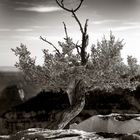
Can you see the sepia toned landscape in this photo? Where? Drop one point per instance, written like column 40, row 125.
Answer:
column 69, row 69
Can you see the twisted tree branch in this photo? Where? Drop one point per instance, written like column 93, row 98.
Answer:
column 76, row 18
column 81, row 50
column 78, row 47
column 61, row 4
column 65, row 28
column 50, row 44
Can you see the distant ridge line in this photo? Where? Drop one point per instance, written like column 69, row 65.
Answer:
column 8, row 69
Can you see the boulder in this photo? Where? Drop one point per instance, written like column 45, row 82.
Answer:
column 113, row 123
column 9, row 98
column 44, row 134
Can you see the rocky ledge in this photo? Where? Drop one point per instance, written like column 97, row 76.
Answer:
column 68, row 134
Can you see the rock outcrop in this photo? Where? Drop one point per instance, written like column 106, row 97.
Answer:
column 9, row 98
column 113, row 123
column 16, row 77
column 68, row 134
column 36, row 111
column 46, row 134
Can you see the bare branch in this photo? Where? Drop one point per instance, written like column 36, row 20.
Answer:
column 81, row 50
column 78, row 6
column 61, row 4
column 65, row 28
column 87, row 56
column 76, row 18
column 72, row 11
column 83, row 54
column 50, row 44
column 77, row 47
column 85, row 27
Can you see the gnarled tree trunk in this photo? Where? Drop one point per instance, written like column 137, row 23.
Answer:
column 76, row 94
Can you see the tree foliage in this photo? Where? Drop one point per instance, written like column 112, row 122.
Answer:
column 132, row 65
column 104, row 68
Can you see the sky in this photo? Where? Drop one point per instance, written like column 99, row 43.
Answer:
column 24, row 21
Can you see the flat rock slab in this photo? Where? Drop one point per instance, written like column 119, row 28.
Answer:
column 68, row 134
column 45, row 134
column 113, row 123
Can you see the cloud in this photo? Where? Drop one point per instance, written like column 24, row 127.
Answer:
column 104, row 21
column 24, row 3
column 4, row 30
column 40, row 27
column 123, row 28
column 17, row 30
column 40, row 9
column 132, row 23
column 23, row 30
column 23, row 37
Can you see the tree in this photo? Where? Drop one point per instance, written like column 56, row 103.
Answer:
column 132, row 65
column 78, row 72
column 107, row 61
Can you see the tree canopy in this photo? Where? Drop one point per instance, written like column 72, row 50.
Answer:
column 103, row 67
